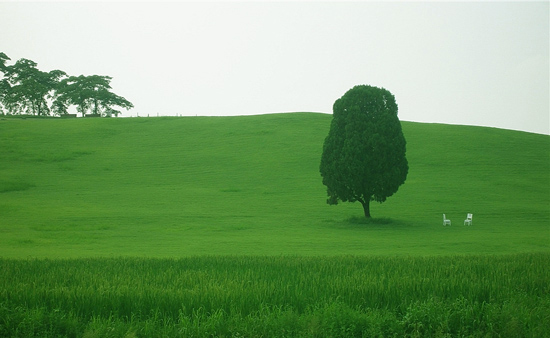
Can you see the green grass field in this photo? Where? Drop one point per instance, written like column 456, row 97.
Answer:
column 250, row 296
column 218, row 226
column 173, row 187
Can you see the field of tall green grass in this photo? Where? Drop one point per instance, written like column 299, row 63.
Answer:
column 218, row 226
column 251, row 296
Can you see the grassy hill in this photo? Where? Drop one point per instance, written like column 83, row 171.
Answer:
column 218, row 227
column 185, row 186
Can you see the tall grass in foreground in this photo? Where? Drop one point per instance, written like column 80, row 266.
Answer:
column 348, row 296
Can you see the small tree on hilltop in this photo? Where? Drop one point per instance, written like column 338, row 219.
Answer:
column 364, row 153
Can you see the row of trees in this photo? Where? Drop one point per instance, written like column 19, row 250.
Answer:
column 24, row 89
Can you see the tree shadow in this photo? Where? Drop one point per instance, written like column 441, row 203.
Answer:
column 382, row 222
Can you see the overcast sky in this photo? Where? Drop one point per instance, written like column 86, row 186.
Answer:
column 461, row 63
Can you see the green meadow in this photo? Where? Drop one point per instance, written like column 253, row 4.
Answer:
column 173, row 187
column 218, row 226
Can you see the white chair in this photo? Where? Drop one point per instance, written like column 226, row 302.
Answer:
column 446, row 221
column 468, row 220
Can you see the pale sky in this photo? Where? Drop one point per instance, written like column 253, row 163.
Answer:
column 468, row 63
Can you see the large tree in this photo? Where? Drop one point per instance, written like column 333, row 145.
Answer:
column 26, row 88
column 89, row 94
column 364, row 153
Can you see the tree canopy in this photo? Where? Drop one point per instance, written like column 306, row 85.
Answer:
column 27, row 89
column 364, row 153
column 24, row 89
column 89, row 94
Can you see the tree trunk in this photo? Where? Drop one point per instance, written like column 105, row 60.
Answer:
column 366, row 208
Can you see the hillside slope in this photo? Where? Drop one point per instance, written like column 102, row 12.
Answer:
column 250, row 185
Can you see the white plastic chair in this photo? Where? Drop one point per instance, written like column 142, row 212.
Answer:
column 446, row 221
column 468, row 220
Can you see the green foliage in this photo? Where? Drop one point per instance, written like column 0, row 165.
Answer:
column 3, row 59
column 25, row 89
column 4, row 84
column 364, row 153
column 89, row 94
column 232, row 296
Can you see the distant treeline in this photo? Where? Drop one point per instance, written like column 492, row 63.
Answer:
column 24, row 89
